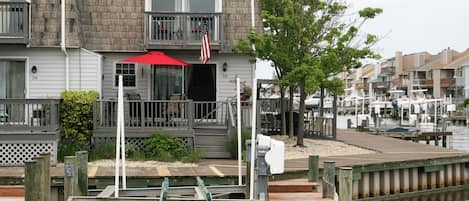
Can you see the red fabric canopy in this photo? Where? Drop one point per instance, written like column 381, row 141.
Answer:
column 156, row 58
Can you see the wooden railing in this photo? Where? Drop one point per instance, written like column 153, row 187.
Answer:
column 29, row 114
column 14, row 22
column 210, row 112
column 447, row 82
column 144, row 114
column 184, row 114
column 182, row 29
column 320, row 126
column 362, row 86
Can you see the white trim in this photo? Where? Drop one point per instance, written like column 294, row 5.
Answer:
column 148, row 5
column 114, row 75
column 218, row 6
column 99, row 76
column 150, row 84
column 26, row 70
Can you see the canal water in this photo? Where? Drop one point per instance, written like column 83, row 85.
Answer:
column 458, row 141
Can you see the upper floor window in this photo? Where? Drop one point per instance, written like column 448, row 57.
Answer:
column 195, row 6
column 128, row 73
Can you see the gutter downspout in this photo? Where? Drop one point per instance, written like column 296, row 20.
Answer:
column 62, row 46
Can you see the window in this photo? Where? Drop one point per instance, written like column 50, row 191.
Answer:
column 201, row 6
column 128, row 74
column 208, row 6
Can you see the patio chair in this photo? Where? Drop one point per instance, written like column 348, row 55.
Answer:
column 134, row 109
column 173, row 108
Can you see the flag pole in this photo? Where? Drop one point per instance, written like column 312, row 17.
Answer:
column 238, row 128
column 253, row 118
column 118, row 139
column 122, row 133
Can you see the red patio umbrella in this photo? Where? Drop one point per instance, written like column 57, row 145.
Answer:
column 158, row 58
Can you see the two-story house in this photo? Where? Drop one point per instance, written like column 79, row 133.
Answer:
column 49, row 46
column 80, row 46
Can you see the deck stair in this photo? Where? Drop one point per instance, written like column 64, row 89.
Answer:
column 211, row 140
column 293, row 186
column 294, row 190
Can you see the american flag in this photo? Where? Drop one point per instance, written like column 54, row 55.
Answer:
column 205, row 52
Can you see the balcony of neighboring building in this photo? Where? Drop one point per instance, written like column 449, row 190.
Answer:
column 382, row 85
column 447, row 82
column 170, row 25
column 14, row 22
column 362, row 85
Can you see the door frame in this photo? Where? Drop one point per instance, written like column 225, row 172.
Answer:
column 26, row 70
column 217, row 78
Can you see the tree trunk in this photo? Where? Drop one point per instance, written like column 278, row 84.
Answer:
column 283, row 123
column 334, row 120
column 290, row 113
column 321, row 106
column 321, row 112
column 301, row 122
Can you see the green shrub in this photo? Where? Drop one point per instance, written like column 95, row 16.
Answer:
column 232, row 143
column 133, row 152
column 161, row 146
column 103, row 150
column 68, row 147
column 466, row 102
column 76, row 114
column 192, row 156
column 76, row 121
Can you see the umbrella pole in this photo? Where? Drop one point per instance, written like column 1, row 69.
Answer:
column 182, row 80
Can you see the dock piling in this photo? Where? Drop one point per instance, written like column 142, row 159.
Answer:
column 31, row 181
column 45, row 176
column 365, row 185
column 70, row 176
column 386, row 181
column 328, row 180
column 82, row 165
column 313, row 167
column 345, row 184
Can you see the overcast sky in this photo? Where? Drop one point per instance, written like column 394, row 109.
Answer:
column 411, row 26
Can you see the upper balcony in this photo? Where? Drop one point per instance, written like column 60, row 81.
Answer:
column 182, row 30
column 14, row 22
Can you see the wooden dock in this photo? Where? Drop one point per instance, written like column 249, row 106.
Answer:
column 388, row 150
column 398, row 159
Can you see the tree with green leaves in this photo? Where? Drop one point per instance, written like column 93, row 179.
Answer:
column 311, row 40
column 275, row 45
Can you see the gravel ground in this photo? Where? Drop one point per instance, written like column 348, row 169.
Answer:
column 318, row 147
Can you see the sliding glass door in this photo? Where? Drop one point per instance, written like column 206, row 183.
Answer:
column 167, row 82
column 12, row 85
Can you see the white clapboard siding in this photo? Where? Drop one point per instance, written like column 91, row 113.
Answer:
column 49, row 81
column 237, row 65
column 143, row 76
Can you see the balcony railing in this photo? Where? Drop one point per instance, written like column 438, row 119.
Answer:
column 29, row 114
column 429, row 83
column 447, row 82
column 382, row 85
column 14, row 23
column 363, row 86
column 165, row 30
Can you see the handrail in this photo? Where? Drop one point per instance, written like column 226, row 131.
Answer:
column 29, row 114
column 230, row 114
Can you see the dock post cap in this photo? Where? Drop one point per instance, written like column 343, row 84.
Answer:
column 329, row 161
column 345, row 168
